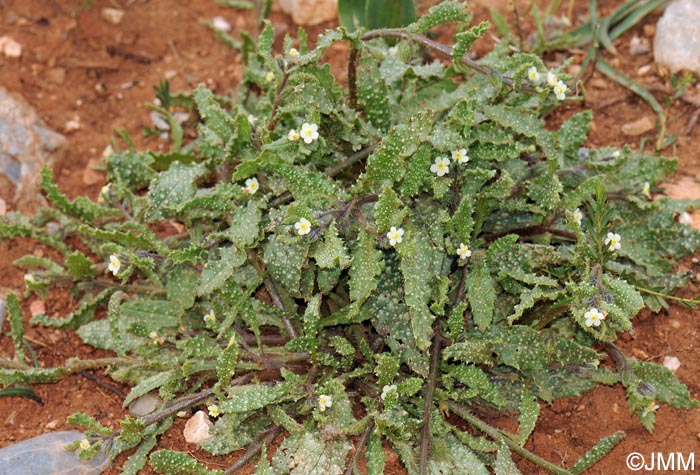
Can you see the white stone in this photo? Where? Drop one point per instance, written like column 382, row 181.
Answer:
column 10, row 47
column 220, row 23
column 197, row 428
column 685, row 218
column 310, row 12
column 677, row 40
column 113, row 15
column 672, row 363
column 146, row 404
column 71, row 126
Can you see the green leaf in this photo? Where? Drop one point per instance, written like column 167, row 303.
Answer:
column 14, row 316
column 366, row 266
column 375, row 456
column 307, row 453
column 331, row 253
column 226, row 364
column 171, row 190
column 217, row 272
column 389, row 210
column 600, row 450
column 572, row 134
column 182, row 285
column 667, row 388
column 285, row 260
column 529, row 412
column 504, row 463
column 417, row 260
column 81, row 208
column 418, row 172
column 79, row 265
column 86, row 422
column 465, row 40
column 213, row 115
column 148, row 385
column 462, row 222
column 444, row 12
column 78, row 317
column 170, row 462
column 144, row 316
column 526, row 124
column 481, row 294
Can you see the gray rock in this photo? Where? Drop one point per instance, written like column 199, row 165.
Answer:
column 677, row 40
column 26, row 145
column 46, row 454
column 3, row 310
column 144, row 405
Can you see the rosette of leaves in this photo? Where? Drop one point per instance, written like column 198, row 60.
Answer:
column 394, row 337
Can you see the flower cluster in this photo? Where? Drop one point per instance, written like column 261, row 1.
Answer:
column 442, row 164
column 552, row 81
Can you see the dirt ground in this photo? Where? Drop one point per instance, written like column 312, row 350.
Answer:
column 78, row 67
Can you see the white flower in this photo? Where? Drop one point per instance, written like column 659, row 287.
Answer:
column 293, row 52
column 388, row 389
column 613, row 240
column 651, row 408
column 270, row 76
column 153, row 335
column 615, row 154
column 324, row 402
column 104, row 191
column 578, row 216
column 460, row 156
column 533, row 75
column 395, row 236
column 232, row 340
column 252, row 119
column 293, row 135
column 29, row 279
column 394, row 50
column 593, row 317
column 84, row 444
column 107, row 152
column 214, row 410
column 463, row 252
column 551, row 79
column 251, row 186
column 309, row 132
column 114, row 264
column 560, row 90
column 646, row 189
column 303, row 226
column 441, row 166
column 210, row 317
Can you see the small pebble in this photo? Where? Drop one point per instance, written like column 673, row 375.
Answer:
column 639, row 126
column 112, row 15
column 10, row 47
column 644, row 70
column 685, row 218
column 3, row 207
column 674, row 324
column 51, row 425
column 158, row 121
column 71, row 126
column 146, row 404
column 197, row 428
column 639, row 46
column 649, row 30
column 220, row 23
column 170, row 73
column 672, row 363
column 37, row 307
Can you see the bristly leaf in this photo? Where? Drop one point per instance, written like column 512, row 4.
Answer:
column 444, row 12
column 170, row 462
column 481, row 294
column 600, row 450
column 366, row 266
column 14, row 315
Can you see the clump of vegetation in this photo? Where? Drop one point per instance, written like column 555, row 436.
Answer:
column 361, row 264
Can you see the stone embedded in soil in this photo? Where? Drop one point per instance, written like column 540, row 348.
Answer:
column 677, row 40
column 3, row 207
column 112, row 15
column 197, row 428
column 672, row 363
column 220, row 23
column 10, row 47
column 639, row 126
column 56, row 75
column 685, row 188
column 37, row 307
column 46, row 454
column 26, row 145
column 310, row 12
column 146, row 404
column 3, row 311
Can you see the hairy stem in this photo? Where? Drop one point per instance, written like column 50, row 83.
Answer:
column 253, row 450
column 504, row 438
column 402, row 34
column 353, row 61
column 358, row 451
